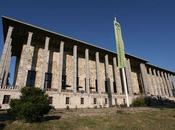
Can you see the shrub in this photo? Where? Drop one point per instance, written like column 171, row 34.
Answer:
column 139, row 102
column 31, row 106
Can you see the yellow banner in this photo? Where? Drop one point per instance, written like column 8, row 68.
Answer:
column 119, row 45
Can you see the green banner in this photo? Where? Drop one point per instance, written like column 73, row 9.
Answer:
column 119, row 45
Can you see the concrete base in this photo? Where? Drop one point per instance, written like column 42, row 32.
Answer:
column 59, row 99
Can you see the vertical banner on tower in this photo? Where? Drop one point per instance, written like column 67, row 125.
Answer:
column 119, row 45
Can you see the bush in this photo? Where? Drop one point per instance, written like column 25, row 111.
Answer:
column 31, row 106
column 139, row 102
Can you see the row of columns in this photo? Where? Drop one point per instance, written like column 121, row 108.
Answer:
column 161, row 83
column 157, row 82
column 6, row 57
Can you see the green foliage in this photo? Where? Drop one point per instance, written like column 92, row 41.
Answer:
column 31, row 106
column 139, row 102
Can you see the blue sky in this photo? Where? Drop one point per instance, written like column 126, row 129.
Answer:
column 148, row 26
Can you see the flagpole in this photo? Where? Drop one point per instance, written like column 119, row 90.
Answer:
column 121, row 61
column 125, row 86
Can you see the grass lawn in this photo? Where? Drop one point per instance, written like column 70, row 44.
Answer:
column 98, row 119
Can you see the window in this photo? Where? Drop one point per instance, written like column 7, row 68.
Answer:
column 106, row 86
column 95, row 101
column 50, row 100
column 77, row 83
column 82, row 101
column 124, row 102
column 48, row 80
column 67, row 100
column 115, row 101
column 115, row 89
column 106, row 100
column 96, row 85
column 6, row 99
column 31, row 78
column 64, row 82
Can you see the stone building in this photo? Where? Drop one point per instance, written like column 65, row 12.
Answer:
column 73, row 73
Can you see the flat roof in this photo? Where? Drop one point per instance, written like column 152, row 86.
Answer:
column 10, row 21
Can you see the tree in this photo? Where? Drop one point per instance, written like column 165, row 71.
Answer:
column 31, row 106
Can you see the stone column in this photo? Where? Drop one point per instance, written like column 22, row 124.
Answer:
column 171, row 84
column 7, row 65
column 60, row 66
column 4, row 53
column 25, row 62
column 152, row 82
column 108, row 80
column 87, row 70
column 97, row 71
column 156, row 82
column 45, row 61
column 161, row 84
column 107, row 73
column 145, row 78
column 128, row 77
column 119, row 89
column 168, row 85
column 165, row 84
column 75, row 69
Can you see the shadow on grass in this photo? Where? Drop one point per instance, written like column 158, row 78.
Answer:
column 4, row 116
column 48, row 118
column 2, row 126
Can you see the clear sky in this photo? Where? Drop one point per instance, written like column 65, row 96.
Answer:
column 148, row 26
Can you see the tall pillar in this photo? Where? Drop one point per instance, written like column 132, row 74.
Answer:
column 128, row 77
column 171, row 85
column 97, row 71
column 7, row 66
column 87, row 71
column 145, row 78
column 60, row 66
column 156, row 82
column 119, row 89
column 75, row 69
column 25, row 62
column 152, row 82
column 165, row 84
column 168, row 85
column 5, row 53
column 108, row 80
column 45, row 61
column 161, row 84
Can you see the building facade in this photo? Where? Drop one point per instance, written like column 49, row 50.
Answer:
column 72, row 72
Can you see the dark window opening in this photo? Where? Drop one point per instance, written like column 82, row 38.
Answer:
column 64, row 82
column 82, row 101
column 115, row 87
column 6, row 99
column 48, row 80
column 77, row 83
column 50, row 100
column 96, row 85
column 106, row 100
column 95, row 101
column 106, row 86
column 115, row 101
column 31, row 78
column 67, row 100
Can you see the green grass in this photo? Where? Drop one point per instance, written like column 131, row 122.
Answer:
column 99, row 119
